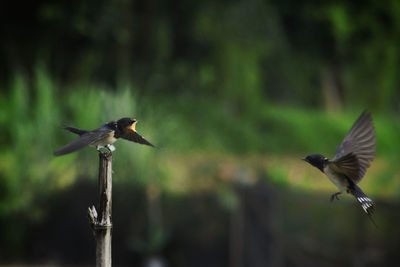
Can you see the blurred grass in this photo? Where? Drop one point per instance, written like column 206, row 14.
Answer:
column 190, row 130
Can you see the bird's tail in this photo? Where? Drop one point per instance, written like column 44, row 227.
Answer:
column 366, row 203
column 74, row 130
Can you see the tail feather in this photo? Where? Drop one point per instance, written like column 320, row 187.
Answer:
column 74, row 130
column 366, row 203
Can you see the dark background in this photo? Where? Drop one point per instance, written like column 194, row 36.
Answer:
column 234, row 93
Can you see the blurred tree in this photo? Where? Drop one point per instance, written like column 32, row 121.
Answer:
column 311, row 53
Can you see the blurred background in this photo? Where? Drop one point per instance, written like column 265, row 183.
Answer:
column 234, row 93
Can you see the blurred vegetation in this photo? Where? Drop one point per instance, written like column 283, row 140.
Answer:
column 226, row 89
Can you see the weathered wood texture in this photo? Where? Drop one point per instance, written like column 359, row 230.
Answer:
column 100, row 221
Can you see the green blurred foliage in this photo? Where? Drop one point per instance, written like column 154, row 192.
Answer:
column 33, row 120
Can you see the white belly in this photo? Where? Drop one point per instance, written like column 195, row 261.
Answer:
column 106, row 141
column 340, row 182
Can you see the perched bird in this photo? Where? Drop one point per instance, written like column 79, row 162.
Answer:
column 351, row 161
column 104, row 136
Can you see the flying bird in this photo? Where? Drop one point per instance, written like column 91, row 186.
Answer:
column 104, row 136
column 351, row 161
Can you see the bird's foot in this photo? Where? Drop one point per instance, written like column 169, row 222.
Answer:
column 110, row 147
column 107, row 152
column 335, row 196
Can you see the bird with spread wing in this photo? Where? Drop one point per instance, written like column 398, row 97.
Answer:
column 104, row 136
column 352, row 159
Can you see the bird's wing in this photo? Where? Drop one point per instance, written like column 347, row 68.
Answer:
column 360, row 142
column 348, row 165
column 132, row 135
column 86, row 139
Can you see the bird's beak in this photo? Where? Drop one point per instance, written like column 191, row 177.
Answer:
column 133, row 125
column 304, row 159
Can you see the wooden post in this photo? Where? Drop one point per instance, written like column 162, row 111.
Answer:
column 100, row 222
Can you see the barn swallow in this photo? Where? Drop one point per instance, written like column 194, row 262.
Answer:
column 104, row 136
column 351, row 161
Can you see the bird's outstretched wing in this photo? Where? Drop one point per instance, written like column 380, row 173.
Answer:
column 133, row 136
column 88, row 138
column 348, row 165
column 357, row 146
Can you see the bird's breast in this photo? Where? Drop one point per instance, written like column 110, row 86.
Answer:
column 108, row 140
column 337, row 179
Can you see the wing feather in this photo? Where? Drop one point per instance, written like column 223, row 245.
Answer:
column 348, row 165
column 88, row 138
column 360, row 142
column 133, row 136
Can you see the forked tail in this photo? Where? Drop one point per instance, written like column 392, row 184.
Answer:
column 366, row 203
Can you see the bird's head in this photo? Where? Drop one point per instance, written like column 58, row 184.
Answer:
column 317, row 160
column 127, row 123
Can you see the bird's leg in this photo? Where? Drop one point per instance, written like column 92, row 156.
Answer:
column 335, row 196
column 110, row 147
